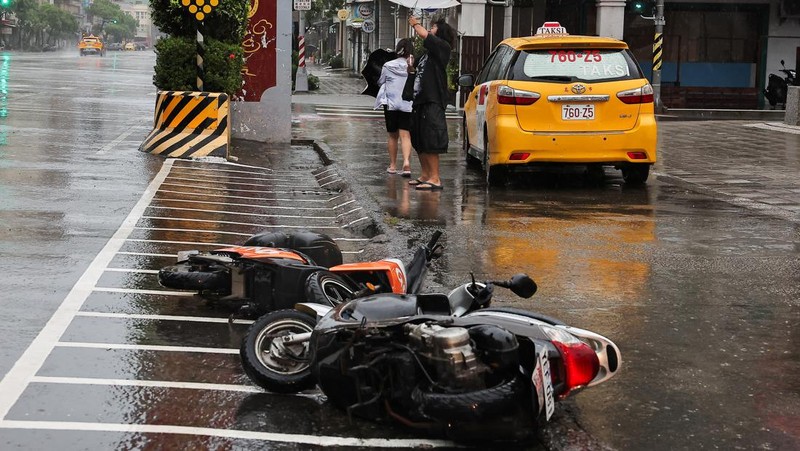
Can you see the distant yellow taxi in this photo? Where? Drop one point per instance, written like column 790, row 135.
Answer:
column 556, row 98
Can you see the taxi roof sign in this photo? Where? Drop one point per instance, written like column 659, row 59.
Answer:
column 551, row 28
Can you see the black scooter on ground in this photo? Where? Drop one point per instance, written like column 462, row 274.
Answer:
column 778, row 86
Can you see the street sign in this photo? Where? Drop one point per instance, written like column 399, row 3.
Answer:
column 302, row 5
column 343, row 14
column 365, row 10
column 199, row 7
column 368, row 26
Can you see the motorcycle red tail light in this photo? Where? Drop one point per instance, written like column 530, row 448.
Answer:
column 580, row 364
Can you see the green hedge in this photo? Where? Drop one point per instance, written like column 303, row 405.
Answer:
column 176, row 66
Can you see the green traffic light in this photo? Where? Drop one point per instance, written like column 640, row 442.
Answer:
column 5, row 2
column 638, row 6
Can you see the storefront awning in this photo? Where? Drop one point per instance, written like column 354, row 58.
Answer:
column 427, row 4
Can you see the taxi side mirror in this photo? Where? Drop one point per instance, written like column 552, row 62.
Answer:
column 466, row 81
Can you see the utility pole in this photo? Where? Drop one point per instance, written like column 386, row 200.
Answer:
column 658, row 40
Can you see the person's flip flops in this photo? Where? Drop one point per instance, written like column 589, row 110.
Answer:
column 415, row 182
column 428, row 186
column 405, row 173
column 391, row 171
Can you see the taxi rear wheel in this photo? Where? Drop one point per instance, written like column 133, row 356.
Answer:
column 635, row 174
column 471, row 160
column 496, row 175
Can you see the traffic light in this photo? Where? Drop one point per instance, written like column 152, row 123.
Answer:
column 642, row 7
column 5, row 3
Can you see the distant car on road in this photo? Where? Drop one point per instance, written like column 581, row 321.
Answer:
column 114, row 46
column 91, row 45
column 141, row 46
column 556, row 98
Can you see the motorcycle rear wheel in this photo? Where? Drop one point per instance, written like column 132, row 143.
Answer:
column 263, row 361
column 325, row 287
column 188, row 276
column 475, row 405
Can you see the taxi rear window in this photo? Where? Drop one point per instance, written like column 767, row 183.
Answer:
column 570, row 65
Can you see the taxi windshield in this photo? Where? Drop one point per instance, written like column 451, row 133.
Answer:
column 570, row 65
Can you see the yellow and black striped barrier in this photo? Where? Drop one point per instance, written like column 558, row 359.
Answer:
column 658, row 41
column 189, row 125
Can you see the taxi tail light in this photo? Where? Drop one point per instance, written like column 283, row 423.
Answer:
column 639, row 95
column 519, row 156
column 507, row 95
column 637, row 155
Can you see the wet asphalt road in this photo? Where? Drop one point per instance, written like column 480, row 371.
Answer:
column 695, row 276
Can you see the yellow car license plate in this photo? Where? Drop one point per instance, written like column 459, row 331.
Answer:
column 577, row 112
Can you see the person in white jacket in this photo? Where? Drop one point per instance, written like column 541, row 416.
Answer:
column 397, row 111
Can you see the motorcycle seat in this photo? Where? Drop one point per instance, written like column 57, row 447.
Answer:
column 434, row 304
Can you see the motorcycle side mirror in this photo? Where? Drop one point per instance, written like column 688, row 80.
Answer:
column 783, row 63
column 523, row 286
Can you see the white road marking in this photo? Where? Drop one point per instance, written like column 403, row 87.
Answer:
column 144, row 383
column 138, row 271
column 18, row 378
column 193, row 243
column 202, row 194
column 226, row 178
column 233, row 204
column 251, row 224
column 216, row 232
column 137, row 291
column 356, row 221
column 118, row 140
column 305, row 191
column 266, row 185
column 348, row 212
column 317, row 440
column 259, row 215
column 191, row 319
column 145, row 254
column 76, row 344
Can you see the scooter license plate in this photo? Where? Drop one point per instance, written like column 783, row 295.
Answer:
column 543, row 382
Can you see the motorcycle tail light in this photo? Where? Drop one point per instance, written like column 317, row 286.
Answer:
column 507, row 95
column 580, row 362
column 638, row 95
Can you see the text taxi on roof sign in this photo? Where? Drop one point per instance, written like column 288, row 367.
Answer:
column 556, row 98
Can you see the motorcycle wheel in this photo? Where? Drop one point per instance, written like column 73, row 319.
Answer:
column 188, row 276
column 325, row 287
column 475, row 405
column 266, row 365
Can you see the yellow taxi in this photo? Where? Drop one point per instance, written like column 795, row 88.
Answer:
column 556, row 98
column 130, row 46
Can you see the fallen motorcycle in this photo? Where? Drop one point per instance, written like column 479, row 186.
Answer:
column 275, row 270
column 493, row 372
column 274, row 349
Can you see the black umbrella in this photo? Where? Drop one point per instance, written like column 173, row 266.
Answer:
column 372, row 70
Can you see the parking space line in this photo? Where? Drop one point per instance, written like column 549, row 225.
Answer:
column 233, row 204
column 85, row 345
column 266, row 226
column 217, row 232
column 306, row 191
column 186, row 193
column 191, row 319
column 318, row 440
column 348, row 212
column 259, row 215
column 138, row 291
column 212, row 178
column 138, row 271
column 18, row 377
column 343, row 204
column 276, row 185
column 193, row 243
column 356, row 221
column 146, row 254
column 146, row 383
column 183, row 166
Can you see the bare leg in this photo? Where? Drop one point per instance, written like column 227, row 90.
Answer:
column 433, row 168
column 405, row 147
column 392, row 143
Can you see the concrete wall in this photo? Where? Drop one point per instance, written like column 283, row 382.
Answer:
column 783, row 40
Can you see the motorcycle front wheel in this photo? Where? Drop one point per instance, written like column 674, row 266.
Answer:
column 278, row 367
column 325, row 287
column 190, row 276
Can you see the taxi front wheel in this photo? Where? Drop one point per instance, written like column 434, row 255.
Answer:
column 635, row 174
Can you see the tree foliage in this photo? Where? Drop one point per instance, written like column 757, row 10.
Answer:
column 45, row 22
column 113, row 21
column 227, row 22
